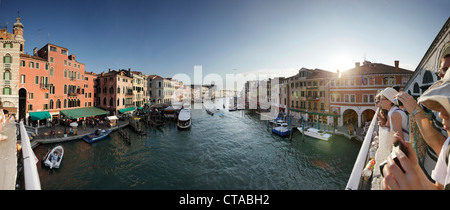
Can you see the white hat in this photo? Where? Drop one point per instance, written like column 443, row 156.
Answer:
column 437, row 95
column 389, row 93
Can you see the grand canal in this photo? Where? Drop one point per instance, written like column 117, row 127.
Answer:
column 219, row 153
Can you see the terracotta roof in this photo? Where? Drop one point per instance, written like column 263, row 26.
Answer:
column 375, row 68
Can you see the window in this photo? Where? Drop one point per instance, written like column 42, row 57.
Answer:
column 31, row 64
column 7, row 75
column 22, row 63
column 64, row 52
column 52, row 59
column 7, row 58
column 7, row 45
column 65, row 103
column 51, row 103
column 58, row 104
column 52, row 48
column 30, row 96
column 6, row 91
column 36, row 80
column 37, row 65
column 30, row 107
column 22, row 78
column 52, row 71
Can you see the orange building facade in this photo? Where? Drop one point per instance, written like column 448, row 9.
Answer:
column 52, row 80
column 352, row 93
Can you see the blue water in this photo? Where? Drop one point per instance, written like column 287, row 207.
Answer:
column 218, row 153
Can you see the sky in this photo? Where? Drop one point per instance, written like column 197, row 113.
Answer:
column 277, row 37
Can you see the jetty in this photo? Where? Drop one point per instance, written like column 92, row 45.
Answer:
column 81, row 132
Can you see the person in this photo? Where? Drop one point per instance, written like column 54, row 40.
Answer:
column 397, row 118
column 437, row 98
column 435, row 138
column 2, row 122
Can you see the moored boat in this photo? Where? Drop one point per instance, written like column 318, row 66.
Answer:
column 54, row 157
column 316, row 133
column 99, row 134
column 282, row 129
column 184, row 119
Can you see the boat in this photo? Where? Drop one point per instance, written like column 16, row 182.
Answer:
column 209, row 112
column 53, row 158
column 99, row 134
column 282, row 129
column 316, row 133
column 184, row 119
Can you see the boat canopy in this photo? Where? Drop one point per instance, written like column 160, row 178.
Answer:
column 185, row 114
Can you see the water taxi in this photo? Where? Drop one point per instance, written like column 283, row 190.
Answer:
column 316, row 133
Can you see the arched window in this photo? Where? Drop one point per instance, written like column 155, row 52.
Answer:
column 104, row 101
column 78, row 103
column 118, row 89
column 51, row 103
column 427, row 78
column 416, row 88
column 65, row 103
column 58, row 104
column 7, row 58
column 65, row 90
column 7, row 75
column 111, row 102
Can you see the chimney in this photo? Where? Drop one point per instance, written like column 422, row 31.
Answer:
column 35, row 52
column 357, row 64
column 396, row 62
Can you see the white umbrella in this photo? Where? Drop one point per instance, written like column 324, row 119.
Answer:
column 74, row 124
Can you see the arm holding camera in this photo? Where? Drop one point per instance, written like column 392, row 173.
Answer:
column 412, row 177
column 432, row 137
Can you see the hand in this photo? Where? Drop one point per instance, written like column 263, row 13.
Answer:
column 408, row 101
column 412, row 178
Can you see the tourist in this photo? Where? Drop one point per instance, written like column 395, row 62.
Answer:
column 435, row 138
column 397, row 117
column 2, row 122
column 382, row 114
column 437, row 98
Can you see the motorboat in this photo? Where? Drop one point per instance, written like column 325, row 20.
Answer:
column 281, row 129
column 53, row 158
column 99, row 134
column 184, row 119
column 316, row 133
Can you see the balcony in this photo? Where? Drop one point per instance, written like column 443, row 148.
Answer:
column 72, row 94
column 7, row 66
column 44, row 86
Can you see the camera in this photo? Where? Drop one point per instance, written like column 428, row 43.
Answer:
column 397, row 102
column 397, row 146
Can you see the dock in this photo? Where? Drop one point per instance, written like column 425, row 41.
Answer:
column 81, row 132
column 8, row 158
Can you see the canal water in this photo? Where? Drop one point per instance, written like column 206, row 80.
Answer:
column 233, row 152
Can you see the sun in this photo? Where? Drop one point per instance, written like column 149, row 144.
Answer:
column 342, row 62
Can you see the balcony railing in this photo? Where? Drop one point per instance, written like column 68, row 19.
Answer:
column 7, row 66
column 72, row 94
column 44, row 86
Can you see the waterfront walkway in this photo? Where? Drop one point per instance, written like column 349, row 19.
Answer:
column 8, row 158
column 47, row 139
